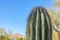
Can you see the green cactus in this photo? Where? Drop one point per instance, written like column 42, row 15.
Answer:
column 39, row 25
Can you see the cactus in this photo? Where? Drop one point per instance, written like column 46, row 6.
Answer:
column 39, row 25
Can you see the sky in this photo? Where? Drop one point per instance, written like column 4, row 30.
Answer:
column 14, row 13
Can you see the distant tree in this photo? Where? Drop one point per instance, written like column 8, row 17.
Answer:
column 55, row 15
column 57, row 3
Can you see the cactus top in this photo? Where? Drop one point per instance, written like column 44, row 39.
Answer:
column 39, row 25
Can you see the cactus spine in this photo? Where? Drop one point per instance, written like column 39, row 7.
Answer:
column 39, row 25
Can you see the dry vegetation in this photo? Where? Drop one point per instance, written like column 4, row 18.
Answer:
column 55, row 17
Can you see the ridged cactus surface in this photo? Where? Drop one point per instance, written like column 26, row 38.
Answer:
column 39, row 25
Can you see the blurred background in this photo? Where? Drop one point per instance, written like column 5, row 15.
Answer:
column 14, row 14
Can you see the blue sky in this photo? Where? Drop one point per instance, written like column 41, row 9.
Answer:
column 14, row 13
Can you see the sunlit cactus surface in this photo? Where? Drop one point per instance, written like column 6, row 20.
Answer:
column 39, row 25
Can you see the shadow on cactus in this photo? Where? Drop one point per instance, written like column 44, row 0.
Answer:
column 39, row 25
